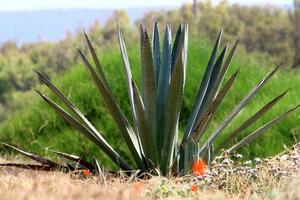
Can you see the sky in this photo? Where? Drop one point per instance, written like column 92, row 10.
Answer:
column 17, row 5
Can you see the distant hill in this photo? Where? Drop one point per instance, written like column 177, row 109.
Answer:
column 51, row 25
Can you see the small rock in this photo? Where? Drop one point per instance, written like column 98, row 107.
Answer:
column 284, row 157
column 258, row 160
column 249, row 162
column 238, row 156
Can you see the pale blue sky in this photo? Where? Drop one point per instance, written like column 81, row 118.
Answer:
column 13, row 5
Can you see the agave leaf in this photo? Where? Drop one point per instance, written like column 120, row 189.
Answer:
column 162, row 86
column 211, row 92
column 199, row 130
column 76, row 159
column 130, row 137
column 176, row 46
column 220, row 96
column 220, row 79
column 97, row 62
column 128, row 75
column 206, row 119
column 173, row 106
column 202, row 90
column 31, row 166
column 238, row 108
column 148, row 94
column 37, row 158
column 156, row 50
column 137, row 114
column 251, row 120
column 202, row 125
column 186, row 42
column 188, row 152
column 260, row 130
column 78, row 115
column 143, row 126
column 226, row 64
column 176, row 156
column 210, row 155
column 97, row 139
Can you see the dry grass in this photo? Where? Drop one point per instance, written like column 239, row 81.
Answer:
column 54, row 185
column 275, row 178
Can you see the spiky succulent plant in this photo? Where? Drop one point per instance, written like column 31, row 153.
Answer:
column 154, row 141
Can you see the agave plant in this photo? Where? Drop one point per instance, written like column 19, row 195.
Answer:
column 153, row 140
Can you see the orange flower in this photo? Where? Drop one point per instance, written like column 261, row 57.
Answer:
column 194, row 188
column 86, row 172
column 199, row 167
column 137, row 187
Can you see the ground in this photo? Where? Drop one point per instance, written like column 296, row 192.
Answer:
column 273, row 178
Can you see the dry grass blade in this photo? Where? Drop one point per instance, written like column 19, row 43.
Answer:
column 98, row 171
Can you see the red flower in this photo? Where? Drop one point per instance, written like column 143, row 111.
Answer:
column 137, row 187
column 86, row 172
column 199, row 167
column 194, row 188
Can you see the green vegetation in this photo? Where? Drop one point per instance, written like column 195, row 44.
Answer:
column 261, row 29
column 256, row 27
column 35, row 126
